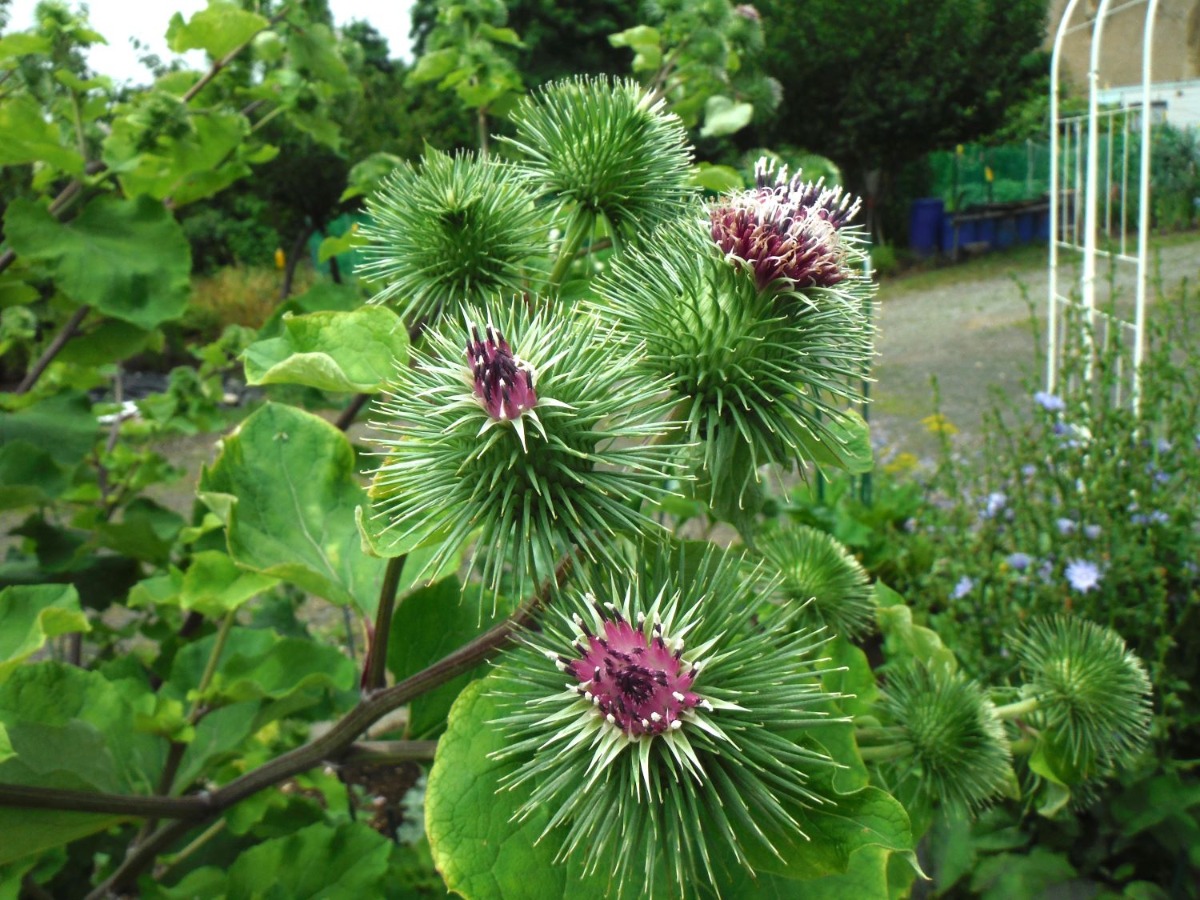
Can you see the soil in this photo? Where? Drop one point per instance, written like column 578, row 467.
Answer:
column 970, row 327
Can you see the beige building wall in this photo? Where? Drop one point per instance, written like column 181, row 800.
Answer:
column 1176, row 50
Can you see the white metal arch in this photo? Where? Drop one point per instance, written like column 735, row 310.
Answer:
column 1074, row 189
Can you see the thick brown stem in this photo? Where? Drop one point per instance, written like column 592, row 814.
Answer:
column 332, row 744
column 350, row 413
column 293, row 260
column 51, row 351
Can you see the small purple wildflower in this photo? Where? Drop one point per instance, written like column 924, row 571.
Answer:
column 964, row 587
column 1049, row 402
column 1029, row 470
column 1065, row 526
column 1092, row 532
column 1163, row 445
column 996, row 501
column 1018, row 561
column 1155, row 517
column 748, row 12
column 1083, row 575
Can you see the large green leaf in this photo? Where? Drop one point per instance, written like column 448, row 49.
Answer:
column 723, row 115
column 865, row 818
column 319, row 861
column 257, row 664
column 845, row 443
column 127, row 258
column 902, row 637
column 430, row 623
column 216, row 30
column 63, row 426
column 332, row 351
column 212, row 586
column 29, row 476
column 30, row 615
column 196, row 163
column 284, row 482
column 72, row 729
column 29, row 137
column 480, row 851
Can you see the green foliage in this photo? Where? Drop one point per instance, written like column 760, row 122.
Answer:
column 186, row 704
column 875, row 86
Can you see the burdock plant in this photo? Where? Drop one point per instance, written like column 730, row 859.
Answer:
column 670, row 719
column 758, row 375
column 664, row 728
column 453, row 230
column 522, row 431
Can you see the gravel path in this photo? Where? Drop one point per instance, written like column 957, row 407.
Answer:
column 969, row 327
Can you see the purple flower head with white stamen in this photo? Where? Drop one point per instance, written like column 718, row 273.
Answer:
column 633, row 676
column 503, row 384
column 787, row 230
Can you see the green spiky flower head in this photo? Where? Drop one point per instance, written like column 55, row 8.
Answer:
column 815, row 566
column 454, row 229
column 606, row 149
column 660, row 724
column 957, row 751
column 523, row 431
column 1093, row 694
column 755, row 380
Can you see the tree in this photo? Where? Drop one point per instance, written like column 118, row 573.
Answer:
column 876, row 85
column 559, row 38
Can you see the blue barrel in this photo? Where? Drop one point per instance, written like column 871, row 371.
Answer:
column 925, row 225
column 1006, row 231
column 1026, row 225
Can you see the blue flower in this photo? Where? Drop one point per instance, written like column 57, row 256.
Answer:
column 1049, row 402
column 1065, row 526
column 995, row 502
column 1092, row 531
column 964, row 586
column 1019, row 562
column 1083, row 575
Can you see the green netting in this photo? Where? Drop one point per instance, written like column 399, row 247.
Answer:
column 1018, row 172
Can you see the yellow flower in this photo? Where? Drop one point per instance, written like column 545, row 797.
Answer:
column 939, row 424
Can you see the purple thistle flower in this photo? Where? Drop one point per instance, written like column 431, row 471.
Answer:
column 1083, row 575
column 1049, row 402
column 786, row 229
column 641, row 686
column 964, row 587
column 503, row 384
column 1019, row 562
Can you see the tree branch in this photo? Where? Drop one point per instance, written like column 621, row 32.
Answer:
column 193, row 807
column 52, row 350
column 339, row 738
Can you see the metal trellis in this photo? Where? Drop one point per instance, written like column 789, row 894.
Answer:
column 1076, row 208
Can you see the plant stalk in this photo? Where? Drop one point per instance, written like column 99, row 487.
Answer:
column 335, row 741
column 52, row 350
column 375, row 668
column 1016, row 710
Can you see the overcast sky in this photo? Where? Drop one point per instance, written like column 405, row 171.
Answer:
column 147, row 20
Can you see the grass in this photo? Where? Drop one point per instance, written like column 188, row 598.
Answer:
column 240, row 295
